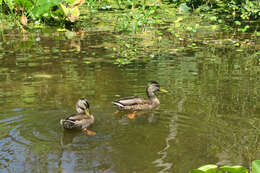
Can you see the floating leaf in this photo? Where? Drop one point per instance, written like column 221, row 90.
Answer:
column 234, row 169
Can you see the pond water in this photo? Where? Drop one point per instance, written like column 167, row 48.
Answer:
column 210, row 115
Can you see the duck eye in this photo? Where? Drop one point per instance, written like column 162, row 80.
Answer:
column 86, row 104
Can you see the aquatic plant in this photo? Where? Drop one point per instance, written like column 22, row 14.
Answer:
column 223, row 169
column 211, row 168
column 232, row 12
column 43, row 9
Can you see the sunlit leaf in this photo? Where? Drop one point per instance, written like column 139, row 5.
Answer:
column 64, row 9
column 43, row 6
column 10, row 4
column 25, row 4
column 238, row 23
column 74, row 14
column 209, row 168
column 61, row 29
column 213, row 18
column 70, row 13
column 179, row 19
column 234, row 169
column 256, row 166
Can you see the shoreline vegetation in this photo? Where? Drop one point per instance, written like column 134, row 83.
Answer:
column 238, row 15
column 140, row 27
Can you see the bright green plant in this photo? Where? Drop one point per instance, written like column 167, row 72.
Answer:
column 223, row 169
column 256, row 166
column 227, row 169
column 127, row 51
column 44, row 9
column 235, row 13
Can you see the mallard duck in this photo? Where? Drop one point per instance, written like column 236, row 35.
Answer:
column 80, row 120
column 135, row 103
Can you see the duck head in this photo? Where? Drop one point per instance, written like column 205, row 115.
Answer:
column 82, row 106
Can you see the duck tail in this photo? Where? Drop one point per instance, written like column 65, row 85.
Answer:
column 61, row 121
column 67, row 124
column 118, row 104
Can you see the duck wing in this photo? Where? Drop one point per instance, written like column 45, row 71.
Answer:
column 130, row 101
column 75, row 121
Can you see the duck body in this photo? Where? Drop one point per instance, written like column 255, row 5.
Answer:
column 77, row 121
column 136, row 103
column 81, row 120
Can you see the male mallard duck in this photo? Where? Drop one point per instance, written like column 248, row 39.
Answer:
column 136, row 103
column 80, row 120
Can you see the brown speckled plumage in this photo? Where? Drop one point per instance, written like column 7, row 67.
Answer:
column 80, row 120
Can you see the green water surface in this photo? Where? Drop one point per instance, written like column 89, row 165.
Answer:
column 210, row 115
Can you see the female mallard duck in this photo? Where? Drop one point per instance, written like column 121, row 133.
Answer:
column 80, row 120
column 136, row 103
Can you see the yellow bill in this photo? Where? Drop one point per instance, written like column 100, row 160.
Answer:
column 87, row 112
column 163, row 90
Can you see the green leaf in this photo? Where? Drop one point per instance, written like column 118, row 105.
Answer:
column 64, row 9
column 256, row 166
column 209, row 168
column 10, row 4
column 234, row 169
column 213, row 18
column 71, row 13
column 237, row 23
column 42, row 7
column 61, row 29
column 25, row 4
